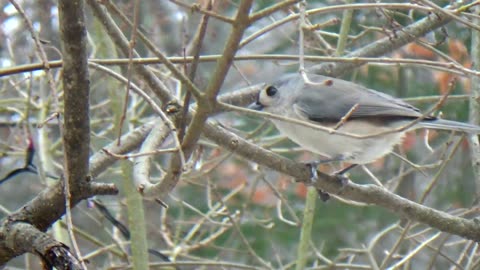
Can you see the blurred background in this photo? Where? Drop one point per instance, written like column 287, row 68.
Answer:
column 227, row 212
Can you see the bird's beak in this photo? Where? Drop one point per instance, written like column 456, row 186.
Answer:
column 257, row 106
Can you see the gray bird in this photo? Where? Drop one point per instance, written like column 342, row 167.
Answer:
column 325, row 101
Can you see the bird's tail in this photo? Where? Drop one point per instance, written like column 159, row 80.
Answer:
column 451, row 125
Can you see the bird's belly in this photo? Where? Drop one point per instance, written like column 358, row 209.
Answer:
column 347, row 148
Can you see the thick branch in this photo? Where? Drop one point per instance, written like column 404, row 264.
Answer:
column 40, row 210
column 362, row 193
column 23, row 237
column 76, row 86
column 386, row 44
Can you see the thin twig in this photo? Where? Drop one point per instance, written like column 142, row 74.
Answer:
column 131, row 47
column 150, row 153
column 198, row 8
column 344, row 119
column 443, row 66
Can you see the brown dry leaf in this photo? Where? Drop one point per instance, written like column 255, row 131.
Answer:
column 466, row 81
column 419, row 51
column 457, row 49
column 443, row 79
column 263, row 196
column 459, row 53
column 409, row 141
column 301, row 190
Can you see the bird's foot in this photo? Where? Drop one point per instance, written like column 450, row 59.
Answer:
column 339, row 175
column 324, row 196
column 341, row 178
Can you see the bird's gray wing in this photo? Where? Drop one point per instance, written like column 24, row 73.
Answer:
column 332, row 101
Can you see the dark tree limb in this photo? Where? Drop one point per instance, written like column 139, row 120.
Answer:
column 76, row 87
column 23, row 229
column 43, row 211
column 49, row 206
column 23, row 237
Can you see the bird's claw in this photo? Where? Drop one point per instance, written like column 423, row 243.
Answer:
column 314, row 178
column 324, row 196
column 339, row 176
column 313, row 169
column 342, row 179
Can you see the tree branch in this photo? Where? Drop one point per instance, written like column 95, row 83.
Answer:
column 76, row 87
column 362, row 193
column 385, row 45
column 40, row 212
column 24, row 237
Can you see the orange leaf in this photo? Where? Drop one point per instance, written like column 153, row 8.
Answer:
column 457, row 49
column 409, row 141
column 443, row 79
column 419, row 51
column 301, row 190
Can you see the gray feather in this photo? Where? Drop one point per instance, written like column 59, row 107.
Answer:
column 450, row 125
column 333, row 100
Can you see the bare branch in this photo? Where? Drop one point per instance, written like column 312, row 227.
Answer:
column 24, row 237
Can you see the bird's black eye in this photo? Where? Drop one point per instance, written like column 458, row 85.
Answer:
column 271, row 91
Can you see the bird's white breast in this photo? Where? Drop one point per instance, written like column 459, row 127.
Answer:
column 354, row 150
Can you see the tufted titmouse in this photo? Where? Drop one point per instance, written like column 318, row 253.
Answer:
column 346, row 108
